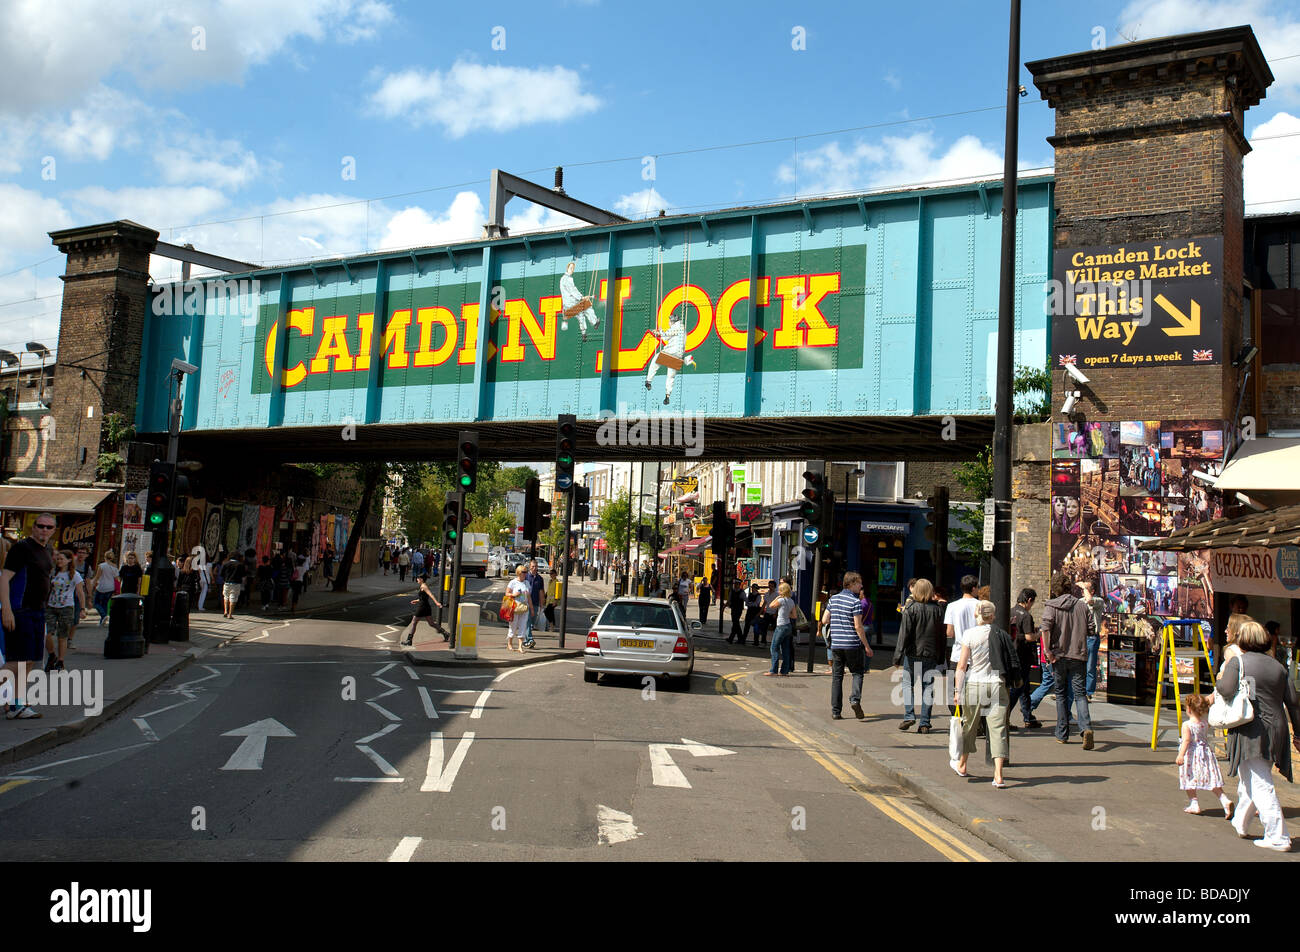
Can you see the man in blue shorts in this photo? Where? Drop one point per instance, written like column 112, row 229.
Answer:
column 24, row 590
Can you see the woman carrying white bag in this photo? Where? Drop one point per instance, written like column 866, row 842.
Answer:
column 1259, row 744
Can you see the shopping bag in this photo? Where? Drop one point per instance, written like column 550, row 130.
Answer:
column 954, row 735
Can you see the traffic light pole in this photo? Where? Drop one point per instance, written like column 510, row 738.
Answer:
column 442, row 575
column 564, row 576
column 454, row 601
column 816, row 621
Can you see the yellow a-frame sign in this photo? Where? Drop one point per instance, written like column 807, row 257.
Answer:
column 1169, row 666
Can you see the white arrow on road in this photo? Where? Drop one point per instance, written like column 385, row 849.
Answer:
column 665, row 773
column 439, row 778
column 249, row 754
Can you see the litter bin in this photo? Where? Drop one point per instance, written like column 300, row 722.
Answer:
column 618, row 589
column 125, row 628
column 181, row 617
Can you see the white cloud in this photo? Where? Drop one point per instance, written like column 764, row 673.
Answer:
column 894, row 161
column 106, row 121
column 1272, row 170
column 53, row 54
column 205, row 160
column 160, row 208
column 28, row 216
column 469, row 97
column 643, row 204
column 414, row 227
column 1276, row 26
column 892, row 81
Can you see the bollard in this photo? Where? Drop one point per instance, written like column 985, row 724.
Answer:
column 125, row 628
column 467, row 639
column 180, row 630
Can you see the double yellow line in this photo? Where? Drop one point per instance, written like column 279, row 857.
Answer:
column 893, row 807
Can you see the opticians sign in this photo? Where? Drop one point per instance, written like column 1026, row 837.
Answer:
column 1144, row 303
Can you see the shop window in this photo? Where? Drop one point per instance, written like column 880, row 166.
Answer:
column 1280, row 326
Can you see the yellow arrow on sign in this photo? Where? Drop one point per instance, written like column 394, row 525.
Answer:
column 1187, row 327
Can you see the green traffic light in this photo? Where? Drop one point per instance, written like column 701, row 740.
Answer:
column 466, row 480
column 566, row 460
column 155, row 517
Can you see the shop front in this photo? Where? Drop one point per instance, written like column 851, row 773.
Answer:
column 83, row 517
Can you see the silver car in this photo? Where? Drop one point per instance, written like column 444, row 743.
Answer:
column 641, row 636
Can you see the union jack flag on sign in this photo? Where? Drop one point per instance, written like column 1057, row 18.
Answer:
column 1068, row 359
column 1202, row 355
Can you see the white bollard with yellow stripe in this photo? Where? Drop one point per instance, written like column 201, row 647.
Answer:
column 467, row 631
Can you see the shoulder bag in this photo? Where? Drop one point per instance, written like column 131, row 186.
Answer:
column 1226, row 713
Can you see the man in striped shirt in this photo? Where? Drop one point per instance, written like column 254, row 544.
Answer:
column 848, row 641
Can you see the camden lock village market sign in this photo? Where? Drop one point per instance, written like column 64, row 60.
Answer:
column 1141, row 303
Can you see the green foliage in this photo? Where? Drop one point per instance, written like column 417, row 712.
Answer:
column 419, row 503
column 1032, row 393
column 117, row 430
column 614, row 523
column 976, row 478
column 107, row 465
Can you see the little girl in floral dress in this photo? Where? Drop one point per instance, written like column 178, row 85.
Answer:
column 1198, row 769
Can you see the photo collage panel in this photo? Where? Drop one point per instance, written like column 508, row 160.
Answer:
column 1116, row 485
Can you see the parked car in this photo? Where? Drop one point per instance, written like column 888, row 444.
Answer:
column 641, row 636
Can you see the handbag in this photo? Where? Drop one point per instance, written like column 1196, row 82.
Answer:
column 507, row 610
column 1226, row 713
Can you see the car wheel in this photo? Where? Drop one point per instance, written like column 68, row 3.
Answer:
column 590, row 676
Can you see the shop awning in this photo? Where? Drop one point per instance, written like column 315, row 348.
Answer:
column 689, row 547
column 51, row 499
column 1265, row 465
column 1268, row 530
column 688, row 498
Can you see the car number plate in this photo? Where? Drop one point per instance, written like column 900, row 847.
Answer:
column 636, row 643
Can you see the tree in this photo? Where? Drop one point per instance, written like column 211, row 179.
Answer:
column 614, row 523
column 1032, row 395
column 375, row 479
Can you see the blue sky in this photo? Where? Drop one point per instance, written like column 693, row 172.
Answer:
column 308, row 121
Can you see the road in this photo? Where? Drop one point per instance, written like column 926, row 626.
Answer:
column 316, row 741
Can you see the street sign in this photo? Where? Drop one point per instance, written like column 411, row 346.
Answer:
column 687, row 484
column 563, row 481
column 689, row 512
column 811, row 535
column 990, row 516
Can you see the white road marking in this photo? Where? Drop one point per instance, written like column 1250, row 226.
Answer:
column 405, row 849
column 251, row 752
column 246, row 641
column 477, row 713
column 73, row 760
column 460, row 677
column 387, row 641
column 614, row 827
column 429, row 710
column 145, row 729
column 438, row 779
column 377, row 734
column 665, row 773
column 411, row 673
column 384, row 711
column 391, row 664
column 388, row 769
column 388, row 684
column 370, row 779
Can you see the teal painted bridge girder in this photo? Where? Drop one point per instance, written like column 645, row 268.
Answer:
column 880, row 305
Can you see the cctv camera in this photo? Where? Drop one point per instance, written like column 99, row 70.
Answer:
column 1070, row 401
column 1076, row 373
column 180, row 366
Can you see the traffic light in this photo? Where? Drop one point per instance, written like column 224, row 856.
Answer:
column 566, row 442
column 532, row 490
column 467, row 466
column 581, row 503
column 722, row 530
column 451, row 520
column 937, row 534
column 543, row 515
column 162, row 481
column 816, row 505
column 826, row 529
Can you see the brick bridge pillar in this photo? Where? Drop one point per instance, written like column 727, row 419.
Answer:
column 101, row 328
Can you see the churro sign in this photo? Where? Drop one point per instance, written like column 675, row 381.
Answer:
column 1257, row 571
column 1146, row 303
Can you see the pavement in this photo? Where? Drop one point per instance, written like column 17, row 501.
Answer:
column 1119, row 802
